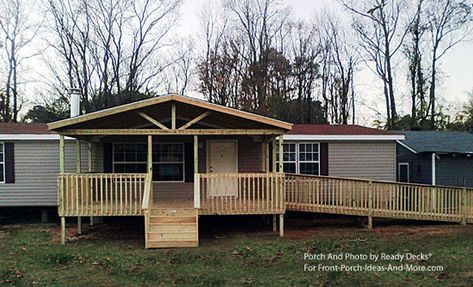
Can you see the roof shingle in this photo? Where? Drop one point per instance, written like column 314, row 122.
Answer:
column 25, row 128
column 439, row 142
column 336, row 130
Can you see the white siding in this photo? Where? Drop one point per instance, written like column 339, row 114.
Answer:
column 36, row 169
column 371, row 160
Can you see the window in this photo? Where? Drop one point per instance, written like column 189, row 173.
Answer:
column 2, row 163
column 289, row 158
column 309, row 158
column 302, row 158
column 129, row 158
column 168, row 160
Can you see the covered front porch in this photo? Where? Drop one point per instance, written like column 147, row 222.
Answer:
column 171, row 159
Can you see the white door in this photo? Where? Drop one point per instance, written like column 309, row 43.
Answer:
column 222, row 157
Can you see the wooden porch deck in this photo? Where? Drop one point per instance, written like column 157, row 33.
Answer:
column 263, row 193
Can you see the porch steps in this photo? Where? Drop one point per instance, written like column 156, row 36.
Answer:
column 169, row 227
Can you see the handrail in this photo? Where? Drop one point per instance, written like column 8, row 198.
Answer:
column 375, row 198
column 148, row 190
column 241, row 193
column 101, row 194
column 375, row 181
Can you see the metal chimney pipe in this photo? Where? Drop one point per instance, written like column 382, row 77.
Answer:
column 74, row 102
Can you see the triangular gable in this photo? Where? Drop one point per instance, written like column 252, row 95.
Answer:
column 126, row 113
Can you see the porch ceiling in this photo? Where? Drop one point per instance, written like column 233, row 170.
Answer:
column 155, row 116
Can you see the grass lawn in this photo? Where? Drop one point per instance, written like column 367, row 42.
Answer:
column 113, row 254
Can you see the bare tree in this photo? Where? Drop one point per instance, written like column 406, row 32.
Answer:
column 113, row 51
column 414, row 51
column 260, row 28
column 381, row 30
column 448, row 24
column 17, row 31
column 178, row 77
column 339, row 58
column 305, row 69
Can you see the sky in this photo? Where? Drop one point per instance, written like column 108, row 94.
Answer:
column 456, row 66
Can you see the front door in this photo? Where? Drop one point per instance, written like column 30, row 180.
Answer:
column 222, row 157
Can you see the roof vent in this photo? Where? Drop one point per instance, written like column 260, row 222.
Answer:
column 74, row 102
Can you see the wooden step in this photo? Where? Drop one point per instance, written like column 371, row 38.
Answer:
column 186, row 227
column 169, row 219
column 173, row 212
column 172, row 244
column 172, row 236
column 168, row 227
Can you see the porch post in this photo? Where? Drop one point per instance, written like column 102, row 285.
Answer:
column 150, row 155
column 78, row 170
column 274, row 156
column 150, row 166
column 89, row 170
column 173, row 116
column 196, row 173
column 281, row 151
column 281, row 186
column 61, row 171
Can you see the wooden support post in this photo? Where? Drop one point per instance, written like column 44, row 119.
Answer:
column 61, row 153
column 370, row 205
column 275, row 223
column 281, row 153
column 89, row 170
column 78, row 170
column 281, row 225
column 78, row 156
column 274, row 156
column 464, row 206
column 61, row 170
column 63, row 230
column 89, row 157
column 150, row 155
column 266, row 157
column 79, row 225
column 196, row 173
column 173, row 116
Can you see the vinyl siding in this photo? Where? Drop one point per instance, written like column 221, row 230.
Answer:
column 420, row 165
column 371, row 160
column 36, row 169
column 454, row 171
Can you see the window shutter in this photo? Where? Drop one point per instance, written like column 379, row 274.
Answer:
column 189, row 162
column 9, row 163
column 324, row 159
column 107, row 157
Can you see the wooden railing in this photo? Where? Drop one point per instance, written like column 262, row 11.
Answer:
column 148, row 193
column 241, row 193
column 378, row 198
column 100, row 194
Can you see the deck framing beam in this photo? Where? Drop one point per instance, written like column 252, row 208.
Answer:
column 166, row 131
column 195, row 120
column 153, row 121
